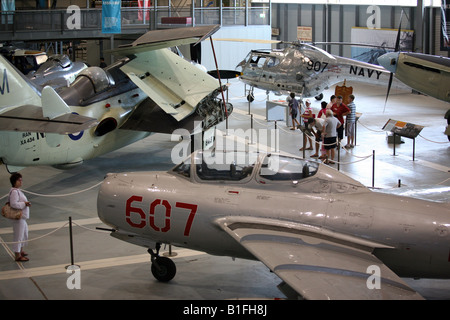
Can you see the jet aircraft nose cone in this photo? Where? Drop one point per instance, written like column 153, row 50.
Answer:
column 389, row 61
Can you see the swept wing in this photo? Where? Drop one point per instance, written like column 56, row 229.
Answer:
column 171, row 82
column 319, row 265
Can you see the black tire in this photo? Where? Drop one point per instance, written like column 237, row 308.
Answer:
column 166, row 269
column 319, row 97
column 250, row 97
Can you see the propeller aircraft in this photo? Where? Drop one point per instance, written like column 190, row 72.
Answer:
column 411, row 68
column 324, row 234
column 150, row 90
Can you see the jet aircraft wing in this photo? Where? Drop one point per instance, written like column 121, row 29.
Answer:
column 173, row 83
column 318, row 265
column 29, row 118
column 159, row 39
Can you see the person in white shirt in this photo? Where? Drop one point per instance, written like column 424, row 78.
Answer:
column 18, row 200
column 330, row 135
column 318, row 124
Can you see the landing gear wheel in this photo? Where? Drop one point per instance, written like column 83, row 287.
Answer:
column 163, row 269
column 319, row 97
column 250, row 97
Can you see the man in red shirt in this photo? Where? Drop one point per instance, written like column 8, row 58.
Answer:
column 340, row 110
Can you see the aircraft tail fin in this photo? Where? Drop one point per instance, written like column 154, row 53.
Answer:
column 15, row 88
column 52, row 104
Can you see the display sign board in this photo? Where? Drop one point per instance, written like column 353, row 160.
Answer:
column 304, row 34
column 209, row 138
column 345, row 92
column 404, row 129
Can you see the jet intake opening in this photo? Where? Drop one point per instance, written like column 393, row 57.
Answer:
column 105, row 126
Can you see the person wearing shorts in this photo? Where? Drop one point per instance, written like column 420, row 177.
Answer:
column 350, row 123
column 331, row 125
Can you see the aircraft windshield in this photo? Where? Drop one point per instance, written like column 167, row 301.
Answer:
column 97, row 76
column 184, row 168
column 228, row 166
column 281, row 168
column 231, row 166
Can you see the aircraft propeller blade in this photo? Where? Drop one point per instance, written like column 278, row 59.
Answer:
column 391, row 76
column 396, row 49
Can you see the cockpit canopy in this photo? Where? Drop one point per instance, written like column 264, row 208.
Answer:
column 97, row 77
column 240, row 166
column 274, row 172
column 260, row 59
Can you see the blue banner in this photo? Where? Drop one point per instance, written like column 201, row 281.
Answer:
column 8, row 6
column 111, row 21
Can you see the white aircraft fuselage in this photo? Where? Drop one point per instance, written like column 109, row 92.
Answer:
column 410, row 236
column 24, row 149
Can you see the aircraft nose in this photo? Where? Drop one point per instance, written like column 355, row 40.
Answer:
column 389, row 61
column 108, row 198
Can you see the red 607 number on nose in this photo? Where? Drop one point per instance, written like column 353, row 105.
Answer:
column 139, row 220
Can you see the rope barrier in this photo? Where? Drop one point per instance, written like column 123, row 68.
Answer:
column 443, row 142
column 361, row 123
column 38, row 238
column 86, row 228
column 63, row 195
column 57, row 195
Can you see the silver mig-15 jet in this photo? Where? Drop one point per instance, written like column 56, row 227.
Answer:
column 324, row 234
column 150, row 90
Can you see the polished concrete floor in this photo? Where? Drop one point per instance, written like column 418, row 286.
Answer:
column 111, row 269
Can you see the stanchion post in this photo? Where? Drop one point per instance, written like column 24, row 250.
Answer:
column 395, row 136
column 251, row 129
column 276, row 132
column 71, row 241
column 339, row 154
column 304, row 144
column 373, row 168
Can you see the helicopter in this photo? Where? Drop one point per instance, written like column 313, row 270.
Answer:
column 304, row 69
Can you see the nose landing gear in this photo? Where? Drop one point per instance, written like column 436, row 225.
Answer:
column 163, row 269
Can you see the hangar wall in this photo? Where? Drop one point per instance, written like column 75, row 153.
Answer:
column 333, row 23
column 229, row 54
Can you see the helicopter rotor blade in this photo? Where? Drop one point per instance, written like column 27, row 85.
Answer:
column 248, row 40
column 329, row 55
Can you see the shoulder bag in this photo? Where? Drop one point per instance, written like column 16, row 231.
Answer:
column 10, row 212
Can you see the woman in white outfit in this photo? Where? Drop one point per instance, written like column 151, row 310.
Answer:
column 18, row 200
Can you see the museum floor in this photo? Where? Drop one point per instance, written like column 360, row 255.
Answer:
column 112, row 269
